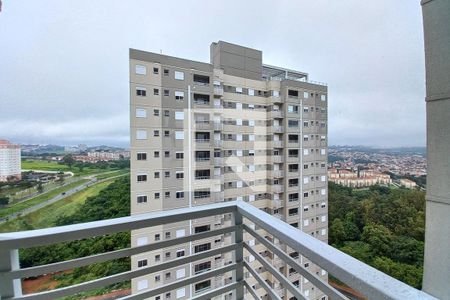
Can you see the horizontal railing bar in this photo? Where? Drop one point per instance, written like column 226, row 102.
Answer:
column 315, row 280
column 280, row 277
column 364, row 278
column 217, row 292
column 181, row 283
column 83, row 261
column 33, row 238
column 262, row 282
column 85, row 286
column 251, row 290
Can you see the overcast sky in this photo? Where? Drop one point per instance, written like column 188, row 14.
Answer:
column 64, row 64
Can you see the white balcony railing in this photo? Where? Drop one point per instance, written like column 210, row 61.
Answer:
column 369, row 281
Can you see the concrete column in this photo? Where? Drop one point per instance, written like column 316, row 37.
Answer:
column 436, row 20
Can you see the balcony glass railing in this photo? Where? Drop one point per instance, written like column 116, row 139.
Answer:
column 245, row 218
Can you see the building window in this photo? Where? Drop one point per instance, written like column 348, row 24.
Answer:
column 202, row 247
column 179, row 95
column 181, row 292
column 238, row 89
column 156, row 154
column 179, row 75
column 141, row 113
column 323, row 97
column 180, row 253
column 293, row 93
column 167, row 174
column 167, row 195
column 203, row 228
column 156, row 92
column 293, row 109
column 166, row 113
column 155, row 71
column 251, row 92
column 141, row 177
column 202, row 286
column 142, row 263
column 305, row 95
column 156, row 174
column 157, row 195
column 142, row 284
column 156, row 112
column 166, row 72
column 142, row 199
column 179, row 155
column 179, row 174
column 140, row 91
column 179, row 195
column 179, row 135
column 156, row 133
column 202, row 267
column 141, row 134
column 179, row 115
column 141, row 156
column 141, row 70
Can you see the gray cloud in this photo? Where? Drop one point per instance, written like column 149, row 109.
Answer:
column 64, row 64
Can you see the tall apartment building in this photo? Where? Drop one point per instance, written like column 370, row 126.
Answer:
column 231, row 129
column 10, row 164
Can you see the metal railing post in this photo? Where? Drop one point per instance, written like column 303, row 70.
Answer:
column 239, row 255
column 9, row 260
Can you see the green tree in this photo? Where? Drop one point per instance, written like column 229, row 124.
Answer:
column 4, row 200
column 378, row 237
column 69, row 160
column 80, row 166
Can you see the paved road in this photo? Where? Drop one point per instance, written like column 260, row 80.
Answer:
column 92, row 180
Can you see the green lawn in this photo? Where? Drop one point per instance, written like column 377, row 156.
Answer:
column 54, row 166
column 46, row 216
column 39, row 199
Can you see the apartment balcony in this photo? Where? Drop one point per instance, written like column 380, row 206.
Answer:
column 367, row 280
column 202, row 125
column 217, row 126
column 218, row 161
column 276, row 100
column 277, row 188
column 277, row 159
column 218, row 90
column 276, row 129
column 278, row 173
column 218, row 143
column 276, row 144
column 276, row 114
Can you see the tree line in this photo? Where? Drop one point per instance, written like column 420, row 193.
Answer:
column 382, row 227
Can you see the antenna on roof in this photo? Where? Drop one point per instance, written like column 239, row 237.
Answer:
column 160, row 51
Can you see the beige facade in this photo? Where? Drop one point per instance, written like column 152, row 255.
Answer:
column 234, row 129
column 10, row 161
column 356, row 179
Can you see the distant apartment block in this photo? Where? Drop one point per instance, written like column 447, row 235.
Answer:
column 96, row 156
column 10, row 164
column 231, row 129
column 356, row 179
column 409, row 184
